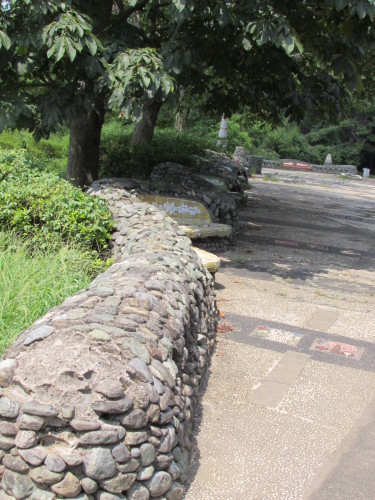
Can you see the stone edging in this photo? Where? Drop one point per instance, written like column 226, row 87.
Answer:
column 325, row 169
column 98, row 396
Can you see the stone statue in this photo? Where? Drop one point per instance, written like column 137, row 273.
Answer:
column 328, row 160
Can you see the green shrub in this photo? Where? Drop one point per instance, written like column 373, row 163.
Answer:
column 121, row 159
column 33, row 280
column 52, row 153
column 39, row 204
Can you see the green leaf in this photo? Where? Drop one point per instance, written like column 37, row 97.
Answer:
column 340, row 4
column 91, row 45
column 5, row 41
column 71, row 51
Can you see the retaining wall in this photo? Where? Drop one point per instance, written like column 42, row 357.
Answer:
column 98, row 396
column 326, row 169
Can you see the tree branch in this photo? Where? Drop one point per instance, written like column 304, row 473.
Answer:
column 138, row 6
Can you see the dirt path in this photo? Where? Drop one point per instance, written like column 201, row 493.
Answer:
column 288, row 410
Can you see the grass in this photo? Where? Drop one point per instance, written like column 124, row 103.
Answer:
column 271, row 178
column 33, row 281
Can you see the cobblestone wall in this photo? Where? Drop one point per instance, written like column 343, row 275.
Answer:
column 98, row 396
column 326, row 169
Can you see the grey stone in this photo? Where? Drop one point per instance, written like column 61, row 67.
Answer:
column 7, row 369
column 137, row 349
column 135, row 438
column 97, row 334
column 152, row 393
column 34, row 456
column 55, row 463
column 174, row 471
column 42, row 495
column 105, row 495
column 8, row 408
column 100, row 437
column 163, row 372
column 168, row 441
column 159, row 484
column 8, row 429
column 138, row 492
column 135, row 420
column 16, row 485
column 145, row 473
column 158, row 386
column 176, row 492
column 99, row 464
column 6, row 443
column 153, row 413
column 139, row 395
column 131, row 466
column 118, row 484
column 25, row 439
column 121, row 453
column 135, row 452
column 15, row 464
column 68, row 487
column 113, row 407
column 141, row 371
column 80, row 424
column 72, row 459
column 41, row 475
column 39, row 409
column 162, row 462
column 147, row 454
column 38, row 334
column 110, row 388
column 67, row 412
column 30, row 422
column 89, row 486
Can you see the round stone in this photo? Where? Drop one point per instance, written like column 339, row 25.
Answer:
column 89, row 485
column 147, row 454
column 68, row 487
column 159, row 484
column 99, row 464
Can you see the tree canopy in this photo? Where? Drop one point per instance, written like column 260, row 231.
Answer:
column 69, row 62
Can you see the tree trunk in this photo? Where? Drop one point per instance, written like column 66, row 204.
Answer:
column 84, row 142
column 144, row 129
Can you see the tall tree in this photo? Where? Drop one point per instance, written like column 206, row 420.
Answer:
column 71, row 61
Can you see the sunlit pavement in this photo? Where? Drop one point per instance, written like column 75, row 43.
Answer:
column 288, row 410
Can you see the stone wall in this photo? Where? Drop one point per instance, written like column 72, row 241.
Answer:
column 326, row 169
column 176, row 180
column 98, row 396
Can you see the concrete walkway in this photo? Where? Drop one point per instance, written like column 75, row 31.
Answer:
column 289, row 406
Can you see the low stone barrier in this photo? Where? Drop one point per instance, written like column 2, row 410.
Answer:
column 326, row 169
column 176, row 180
column 98, row 396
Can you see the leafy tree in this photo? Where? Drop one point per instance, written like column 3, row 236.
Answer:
column 71, row 61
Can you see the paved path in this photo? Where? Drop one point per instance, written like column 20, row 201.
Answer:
column 289, row 406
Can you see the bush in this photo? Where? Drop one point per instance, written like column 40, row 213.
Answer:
column 121, row 159
column 52, row 154
column 38, row 203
